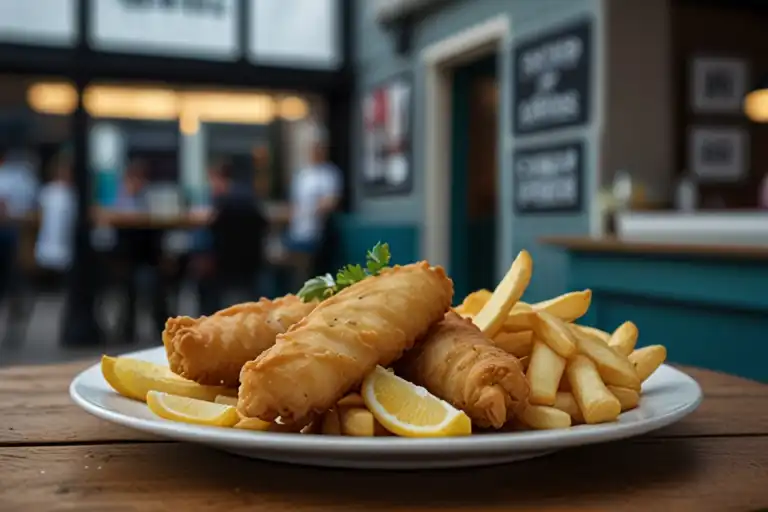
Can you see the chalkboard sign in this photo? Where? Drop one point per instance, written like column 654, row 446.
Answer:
column 548, row 179
column 552, row 76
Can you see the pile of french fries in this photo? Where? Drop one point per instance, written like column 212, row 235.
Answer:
column 577, row 374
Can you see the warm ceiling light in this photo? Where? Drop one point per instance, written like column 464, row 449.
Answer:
column 230, row 107
column 52, row 98
column 131, row 103
column 293, row 108
column 756, row 103
column 189, row 123
column 158, row 104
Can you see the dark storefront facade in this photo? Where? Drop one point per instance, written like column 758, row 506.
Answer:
column 297, row 49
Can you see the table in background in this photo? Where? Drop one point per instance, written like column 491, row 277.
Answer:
column 54, row 456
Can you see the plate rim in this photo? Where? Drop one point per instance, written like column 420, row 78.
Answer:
column 344, row 445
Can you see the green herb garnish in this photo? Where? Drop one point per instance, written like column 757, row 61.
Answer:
column 322, row 287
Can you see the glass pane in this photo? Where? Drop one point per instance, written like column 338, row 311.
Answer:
column 296, row 32
column 50, row 22
column 185, row 29
column 165, row 159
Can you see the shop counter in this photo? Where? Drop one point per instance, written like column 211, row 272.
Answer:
column 707, row 303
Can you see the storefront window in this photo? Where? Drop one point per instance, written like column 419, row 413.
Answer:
column 37, row 207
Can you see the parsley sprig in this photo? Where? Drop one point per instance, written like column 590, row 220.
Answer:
column 322, row 287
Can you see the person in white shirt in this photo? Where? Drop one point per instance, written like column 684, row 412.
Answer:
column 54, row 249
column 315, row 194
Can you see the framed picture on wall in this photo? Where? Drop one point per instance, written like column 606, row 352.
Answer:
column 718, row 153
column 387, row 131
column 718, row 84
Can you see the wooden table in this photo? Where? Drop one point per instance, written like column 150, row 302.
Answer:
column 53, row 456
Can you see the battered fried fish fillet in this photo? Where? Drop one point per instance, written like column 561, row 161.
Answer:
column 458, row 363
column 212, row 349
column 329, row 352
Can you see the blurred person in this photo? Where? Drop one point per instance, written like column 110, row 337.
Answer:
column 230, row 251
column 54, row 249
column 18, row 187
column 315, row 194
column 138, row 248
column 131, row 197
column 262, row 162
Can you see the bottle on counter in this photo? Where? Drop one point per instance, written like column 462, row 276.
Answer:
column 686, row 194
column 622, row 189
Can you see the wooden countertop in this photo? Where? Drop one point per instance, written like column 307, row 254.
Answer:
column 54, row 456
column 610, row 244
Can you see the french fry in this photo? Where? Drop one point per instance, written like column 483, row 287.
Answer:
column 628, row 398
column 356, row 421
column 597, row 333
column 566, row 402
column 351, row 400
column 596, row 403
column 331, row 424
column 647, row 359
column 542, row 417
column 524, row 362
column 545, row 369
column 614, row 368
column 226, row 400
column 568, row 306
column 519, row 320
column 507, row 293
column 555, row 333
column 624, row 338
column 474, row 302
column 519, row 344
column 253, row 424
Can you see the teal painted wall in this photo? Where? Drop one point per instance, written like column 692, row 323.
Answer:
column 376, row 61
column 357, row 236
column 711, row 313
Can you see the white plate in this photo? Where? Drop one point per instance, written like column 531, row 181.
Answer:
column 668, row 396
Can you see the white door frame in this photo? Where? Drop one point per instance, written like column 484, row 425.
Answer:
column 438, row 61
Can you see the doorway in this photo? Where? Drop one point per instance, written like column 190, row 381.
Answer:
column 474, row 171
column 446, row 232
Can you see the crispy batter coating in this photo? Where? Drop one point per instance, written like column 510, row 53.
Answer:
column 329, row 352
column 458, row 363
column 212, row 349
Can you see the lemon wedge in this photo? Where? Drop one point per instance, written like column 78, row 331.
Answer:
column 191, row 410
column 408, row 410
column 133, row 378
